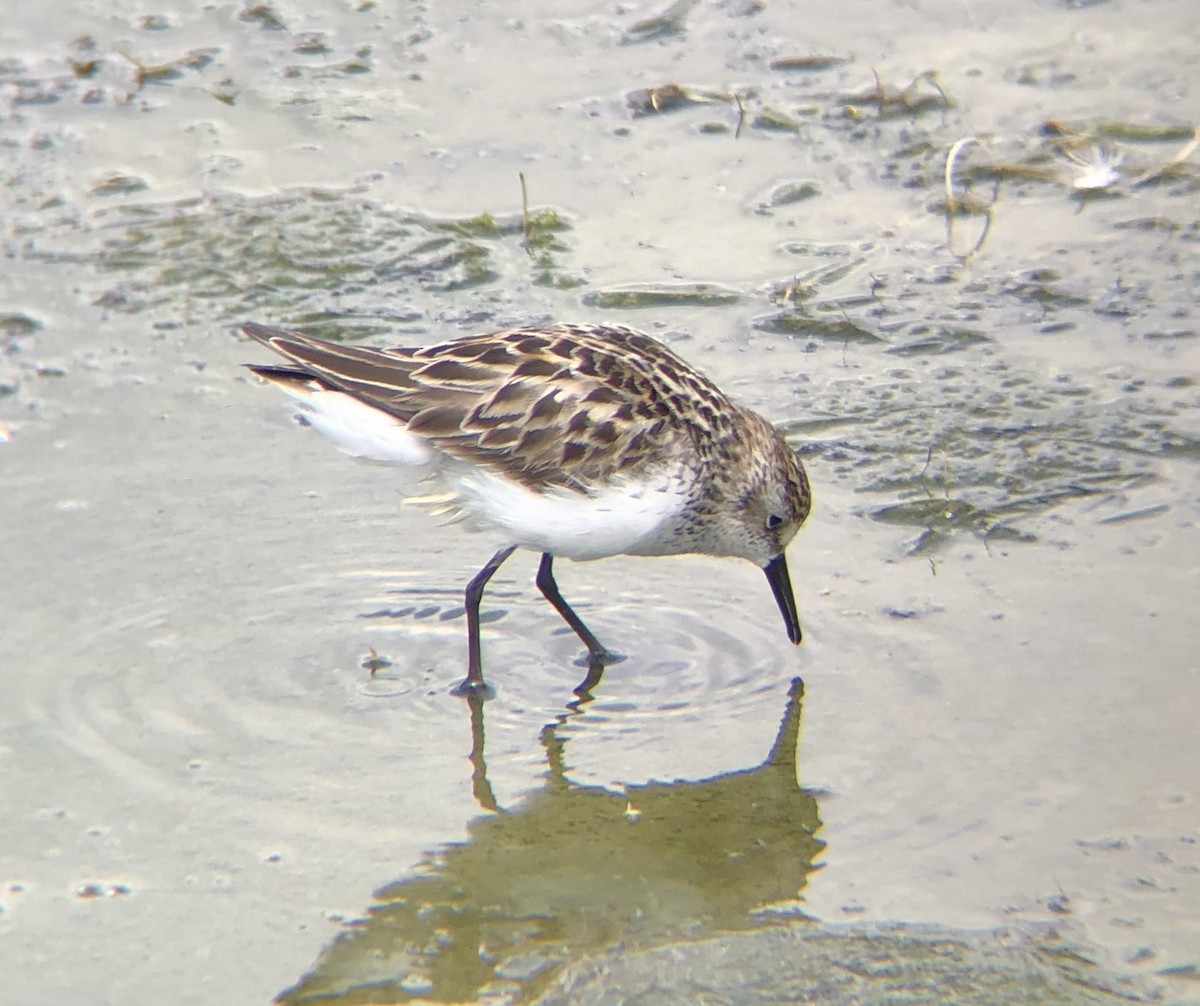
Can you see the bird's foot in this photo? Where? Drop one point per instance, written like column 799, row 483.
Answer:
column 475, row 690
column 599, row 658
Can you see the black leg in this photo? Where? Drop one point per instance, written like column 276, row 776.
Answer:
column 474, row 681
column 546, row 584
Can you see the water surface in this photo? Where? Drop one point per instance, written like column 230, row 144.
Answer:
column 208, row 796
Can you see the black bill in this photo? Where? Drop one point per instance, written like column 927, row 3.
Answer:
column 781, row 587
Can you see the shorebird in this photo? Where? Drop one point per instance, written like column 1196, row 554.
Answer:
column 579, row 441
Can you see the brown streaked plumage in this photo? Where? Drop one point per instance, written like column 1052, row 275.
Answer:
column 574, row 440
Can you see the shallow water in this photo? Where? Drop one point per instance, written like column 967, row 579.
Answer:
column 204, row 785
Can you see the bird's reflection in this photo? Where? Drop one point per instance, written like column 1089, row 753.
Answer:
column 574, row 869
column 482, row 788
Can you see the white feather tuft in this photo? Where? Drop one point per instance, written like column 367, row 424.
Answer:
column 358, row 429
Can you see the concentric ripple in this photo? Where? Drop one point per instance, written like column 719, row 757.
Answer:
column 297, row 720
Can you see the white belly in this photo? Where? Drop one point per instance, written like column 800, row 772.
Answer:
column 628, row 518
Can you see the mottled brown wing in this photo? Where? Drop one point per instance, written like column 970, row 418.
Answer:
column 559, row 406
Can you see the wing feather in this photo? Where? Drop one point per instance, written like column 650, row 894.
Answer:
column 561, row 406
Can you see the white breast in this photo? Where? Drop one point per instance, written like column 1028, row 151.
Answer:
column 630, row 518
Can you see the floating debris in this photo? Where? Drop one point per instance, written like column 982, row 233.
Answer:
column 966, row 205
column 787, row 194
column 85, row 63
column 101, row 890
column 798, row 322
column 118, row 184
column 670, row 98
column 1096, row 163
column 1100, row 165
column 149, row 73
column 311, row 43
column 922, row 95
column 1097, row 166
column 805, row 286
column 1147, row 511
column 264, row 15
column 809, row 63
column 672, row 21
column 772, row 120
column 17, row 324
column 665, row 295
column 225, row 91
column 934, row 340
column 1114, row 130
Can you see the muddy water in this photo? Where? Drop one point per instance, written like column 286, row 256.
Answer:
column 209, row 798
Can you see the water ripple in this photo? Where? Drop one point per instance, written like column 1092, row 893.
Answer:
column 298, row 720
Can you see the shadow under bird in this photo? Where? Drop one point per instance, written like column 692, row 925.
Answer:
column 580, row 441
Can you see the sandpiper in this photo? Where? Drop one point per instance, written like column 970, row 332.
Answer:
column 581, row 441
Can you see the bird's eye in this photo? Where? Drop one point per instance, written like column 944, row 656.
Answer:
column 774, row 521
